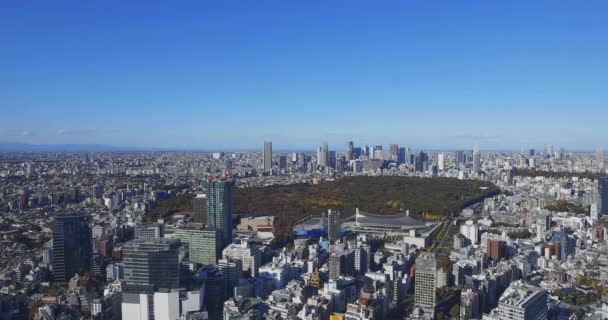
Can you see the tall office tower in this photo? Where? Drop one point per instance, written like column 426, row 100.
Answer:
column 204, row 244
column 408, row 155
column 394, row 151
column 282, row 162
column 349, row 151
column 422, row 162
column 232, row 270
column 377, row 152
column 521, row 301
column 301, row 160
column 199, row 209
column 476, row 159
column 148, row 230
column 600, row 159
column 323, row 155
column 249, row 254
column 366, row 151
column 215, row 292
column 459, row 159
column 441, row 161
column 602, row 184
column 549, row 151
column 151, row 262
column 470, row 230
column 267, row 156
column 356, row 153
column 332, row 159
column 341, row 263
column 426, row 278
column 532, row 153
column 340, row 164
column 219, row 207
column 333, row 225
column 362, row 258
column 294, row 157
column 401, row 156
column 72, row 246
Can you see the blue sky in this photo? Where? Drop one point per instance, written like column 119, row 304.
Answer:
column 230, row 74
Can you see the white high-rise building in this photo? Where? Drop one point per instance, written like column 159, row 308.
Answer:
column 600, row 159
column 476, row 159
column 323, row 155
column 470, row 230
column 441, row 162
column 267, row 156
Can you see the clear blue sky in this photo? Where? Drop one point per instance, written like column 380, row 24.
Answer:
column 230, row 74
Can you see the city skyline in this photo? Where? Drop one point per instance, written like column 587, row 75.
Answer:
column 497, row 74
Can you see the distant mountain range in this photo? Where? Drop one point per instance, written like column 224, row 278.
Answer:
column 25, row 147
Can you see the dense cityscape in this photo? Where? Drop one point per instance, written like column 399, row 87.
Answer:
column 303, row 160
column 98, row 235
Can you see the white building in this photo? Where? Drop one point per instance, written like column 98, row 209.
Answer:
column 470, row 230
column 166, row 305
column 441, row 162
column 246, row 253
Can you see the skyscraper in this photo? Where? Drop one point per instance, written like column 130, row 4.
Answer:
column 323, row 155
column 72, row 246
column 600, row 159
column 476, row 159
column 602, row 184
column 333, row 225
column 267, row 156
column 219, row 207
column 425, row 278
column 441, row 161
column 204, row 244
column 401, row 156
column 152, row 262
column 282, row 162
column 349, row 151
column 332, row 159
column 199, row 209
column 394, row 151
column 215, row 292
column 422, row 162
column 549, row 151
column 232, row 270
column 342, row 263
column 459, row 159
column 377, row 152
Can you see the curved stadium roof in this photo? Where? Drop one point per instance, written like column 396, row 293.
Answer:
column 401, row 219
